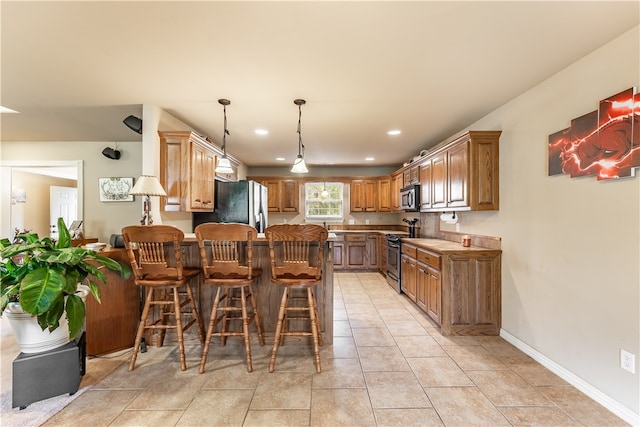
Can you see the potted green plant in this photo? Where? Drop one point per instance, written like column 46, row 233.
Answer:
column 46, row 277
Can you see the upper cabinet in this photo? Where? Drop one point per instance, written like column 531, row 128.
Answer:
column 283, row 194
column 384, row 194
column 462, row 175
column 397, row 182
column 187, row 163
column 364, row 195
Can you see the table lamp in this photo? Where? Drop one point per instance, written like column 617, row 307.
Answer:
column 147, row 185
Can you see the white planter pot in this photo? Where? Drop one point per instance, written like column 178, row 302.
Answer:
column 30, row 337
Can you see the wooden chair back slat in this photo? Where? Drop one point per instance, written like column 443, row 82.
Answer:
column 154, row 250
column 226, row 248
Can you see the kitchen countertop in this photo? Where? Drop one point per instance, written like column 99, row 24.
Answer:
column 442, row 246
column 399, row 233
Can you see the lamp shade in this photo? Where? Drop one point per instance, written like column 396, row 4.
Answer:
column 224, row 165
column 299, row 165
column 147, row 185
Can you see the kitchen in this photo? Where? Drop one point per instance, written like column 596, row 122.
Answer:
column 554, row 259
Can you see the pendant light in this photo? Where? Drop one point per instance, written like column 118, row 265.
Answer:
column 298, row 165
column 324, row 193
column 224, row 165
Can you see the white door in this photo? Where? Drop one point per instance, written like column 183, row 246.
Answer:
column 63, row 203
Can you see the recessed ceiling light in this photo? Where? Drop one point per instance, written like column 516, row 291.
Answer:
column 280, row 159
column 394, row 132
column 369, row 159
column 6, row 110
column 261, row 132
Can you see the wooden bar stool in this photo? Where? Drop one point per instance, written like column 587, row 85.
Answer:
column 296, row 252
column 154, row 253
column 226, row 251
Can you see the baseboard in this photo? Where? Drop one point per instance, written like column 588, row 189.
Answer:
column 612, row 405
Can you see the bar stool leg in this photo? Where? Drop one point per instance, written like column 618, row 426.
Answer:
column 178, row 316
column 212, row 324
column 196, row 315
column 276, row 341
column 141, row 328
column 314, row 328
column 245, row 328
column 256, row 316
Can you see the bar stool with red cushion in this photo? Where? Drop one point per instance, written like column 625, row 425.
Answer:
column 156, row 262
column 226, row 251
column 297, row 252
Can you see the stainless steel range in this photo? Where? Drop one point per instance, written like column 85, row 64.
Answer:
column 393, row 261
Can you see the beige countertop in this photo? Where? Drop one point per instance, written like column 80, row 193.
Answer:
column 399, row 233
column 442, row 246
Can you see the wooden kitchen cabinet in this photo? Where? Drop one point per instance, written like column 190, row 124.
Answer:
column 411, row 176
column 356, row 251
column 384, row 194
column 464, row 174
column 187, row 164
column 282, row 193
column 459, row 288
column 397, row 182
column 363, row 195
column 408, row 268
column 338, row 252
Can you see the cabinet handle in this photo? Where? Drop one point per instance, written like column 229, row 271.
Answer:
column 196, row 200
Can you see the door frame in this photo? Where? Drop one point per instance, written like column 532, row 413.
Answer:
column 6, row 169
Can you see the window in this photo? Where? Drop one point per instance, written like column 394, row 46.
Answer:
column 323, row 200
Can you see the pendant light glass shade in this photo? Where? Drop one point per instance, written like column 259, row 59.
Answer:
column 299, row 165
column 224, row 165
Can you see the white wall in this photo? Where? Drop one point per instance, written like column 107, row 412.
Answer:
column 570, row 278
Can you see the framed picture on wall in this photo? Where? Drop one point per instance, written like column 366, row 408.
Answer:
column 115, row 189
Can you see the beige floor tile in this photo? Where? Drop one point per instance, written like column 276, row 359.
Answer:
column 382, row 359
column 341, row 328
column 285, row 418
column 169, row 394
column 453, row 340
column 580, row 407
column 373, row 337
column 423, row 417
column 438, row 372
column 473, row 357
column 395, row 390
column 361, row 321
column 547, row 416
column 140, row 418
column 283, row 390
column 83, row 411
column 405, row 328
column 419, row 346
column 465, row 406
column 217, row 408
column 230, row 374
column 341, row 407
column 506, row 388
column 339, row 373
column 342, row 347
column 532, row 372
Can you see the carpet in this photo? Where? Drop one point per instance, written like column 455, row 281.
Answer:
column 38, row 412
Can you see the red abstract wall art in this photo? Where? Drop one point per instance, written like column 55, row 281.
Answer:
column 604, row 143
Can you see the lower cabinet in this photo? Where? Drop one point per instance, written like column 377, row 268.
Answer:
column 356, row 251
column 458, row 289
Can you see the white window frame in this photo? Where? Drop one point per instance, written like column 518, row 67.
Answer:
column 309, row 201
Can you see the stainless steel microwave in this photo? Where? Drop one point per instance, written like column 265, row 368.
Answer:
column 410, row 198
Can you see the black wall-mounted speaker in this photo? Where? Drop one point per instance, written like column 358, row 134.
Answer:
column 110, row 153
column 134, row 123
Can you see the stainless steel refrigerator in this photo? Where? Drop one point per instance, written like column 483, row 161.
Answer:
column 242, row 201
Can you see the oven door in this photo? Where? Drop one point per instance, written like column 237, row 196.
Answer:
column 393, row 265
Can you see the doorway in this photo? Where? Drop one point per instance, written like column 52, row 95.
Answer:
column 11, row 216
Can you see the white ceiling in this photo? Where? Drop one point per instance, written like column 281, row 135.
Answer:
column 75, row 70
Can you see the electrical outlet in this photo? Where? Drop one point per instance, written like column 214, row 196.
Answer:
column 628, row 361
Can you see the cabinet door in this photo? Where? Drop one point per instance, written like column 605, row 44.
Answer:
column 290, row 197
column 172, row 172
column 273, row 194
column 356, row 195
column 338, row 255
column 372, row 251
column 370, row 195
column 439, row 181
column 422, row 286
column 458, row 176
column 433, row 293
column 201, row 178
column 384, row 194
column 408, row 276
column 425, row 185
column 396, row 185
column 382, row 254
column 356, row 251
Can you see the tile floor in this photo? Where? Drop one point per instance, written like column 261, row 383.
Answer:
column 388, row 366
